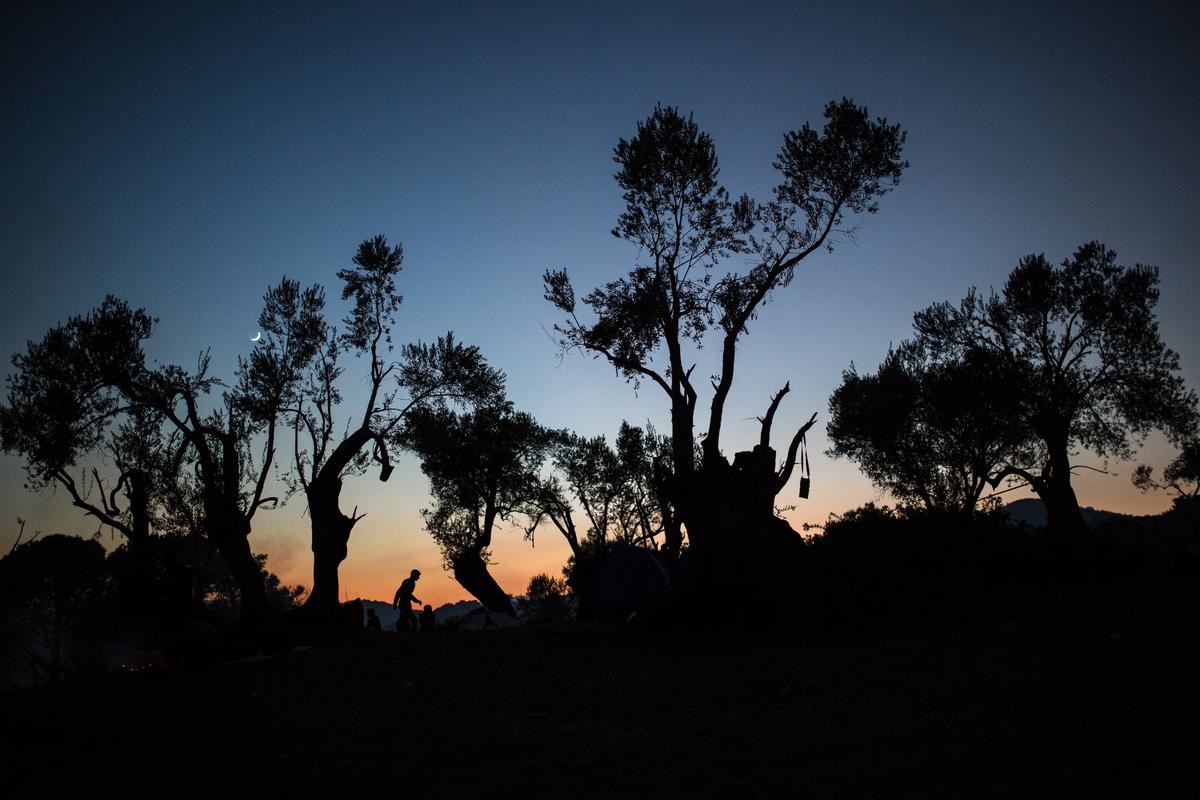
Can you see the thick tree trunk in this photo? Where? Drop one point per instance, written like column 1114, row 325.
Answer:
column 672, row 526
column 230, row 537
column 470, row 570
column 733, row 511
column 140, row 553
column 229, row 529
column 741, row 553
column 1063, row 516
column 331, row 528
column 135, row 591
column 330, row 537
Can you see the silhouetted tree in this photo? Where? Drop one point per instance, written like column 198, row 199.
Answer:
column 615, row 487
column 423, row 376
column 643, row 511
column 685, row 225
column 546, row 599
column 229, row 451
column 931, row 433
column 1079, row 347
column 222, row 593
column 196, row 582
column 87, row 384
column 46, row 587
column 66, row 417
column 1181, row 477
column 483, row 467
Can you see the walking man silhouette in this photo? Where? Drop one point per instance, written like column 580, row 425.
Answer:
column 403, row 601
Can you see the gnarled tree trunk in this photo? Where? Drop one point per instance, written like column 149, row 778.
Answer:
column 330, row 537
column 1063, row 516
column 135, row 587
column 228, row 528
column 229, row 533
column 470, row 570
column 740, row 549
column 330, row 527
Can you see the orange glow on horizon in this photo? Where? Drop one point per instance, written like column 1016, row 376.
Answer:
column 375, row 576
column 389, row 541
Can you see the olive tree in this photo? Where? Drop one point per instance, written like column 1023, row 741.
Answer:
column 419, row 376
column 484, row 467
column 1079, row 348
column 931, row 433
column 686, row 228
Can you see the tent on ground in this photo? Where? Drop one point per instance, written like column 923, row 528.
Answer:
column 481, row 619
column 621, row 581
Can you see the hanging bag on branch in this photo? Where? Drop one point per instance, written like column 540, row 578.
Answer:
column 805, row 472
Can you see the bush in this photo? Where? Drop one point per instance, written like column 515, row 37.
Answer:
column 876, row 564
column 547, row 600
column 51, row 591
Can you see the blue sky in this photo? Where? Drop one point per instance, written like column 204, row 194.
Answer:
column 185, row 156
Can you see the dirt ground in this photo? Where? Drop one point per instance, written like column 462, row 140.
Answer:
column 1082, row 693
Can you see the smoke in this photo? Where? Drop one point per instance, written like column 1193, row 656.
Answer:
column 286, row 555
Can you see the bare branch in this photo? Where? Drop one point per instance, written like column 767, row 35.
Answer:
column 789, row 463
column 764, row 437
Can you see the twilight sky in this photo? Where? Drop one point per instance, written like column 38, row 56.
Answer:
column 185, row 156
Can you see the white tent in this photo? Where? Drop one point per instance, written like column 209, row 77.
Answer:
column 481, row 619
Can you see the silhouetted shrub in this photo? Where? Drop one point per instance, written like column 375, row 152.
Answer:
column 879, row 565
column 51, row 604
column 547, row 600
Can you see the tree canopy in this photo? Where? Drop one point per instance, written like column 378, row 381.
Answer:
column 619, row 489
column 64, row 403
column 685, row 225
column 84, row 394
column 484, row 467
column 1079, row 348
column 926, row 431
column 420, row 376
column 1181, row 477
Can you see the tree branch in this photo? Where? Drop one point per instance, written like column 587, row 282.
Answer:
column 1009, row 471
column 789, row 464
column 67, row 482
column 764, row 436
column 736, row 323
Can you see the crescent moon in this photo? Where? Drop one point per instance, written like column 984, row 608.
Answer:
column 256, row 337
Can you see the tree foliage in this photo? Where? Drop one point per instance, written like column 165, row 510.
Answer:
column 928, row 432
column 547, row 599
column 65, row 412
column 228, row 449
column 421, row 376
column 685, row 226
column 618, row 488
column 292, row 328
column 484, row 467
column 47, row 588
column 1181, row 477
column 1079, row 348
column 84, row 394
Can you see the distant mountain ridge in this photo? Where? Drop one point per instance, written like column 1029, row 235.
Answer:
column 388, row 615
column 1176, row 529
column 1032, row 512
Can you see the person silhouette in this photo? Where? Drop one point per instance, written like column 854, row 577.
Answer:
column 407, row 621
column 428, row 619
column 373, row 623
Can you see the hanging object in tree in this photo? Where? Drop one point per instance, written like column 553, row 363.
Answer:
column 805, row 472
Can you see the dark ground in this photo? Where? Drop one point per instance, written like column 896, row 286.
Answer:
column 1086, row 692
